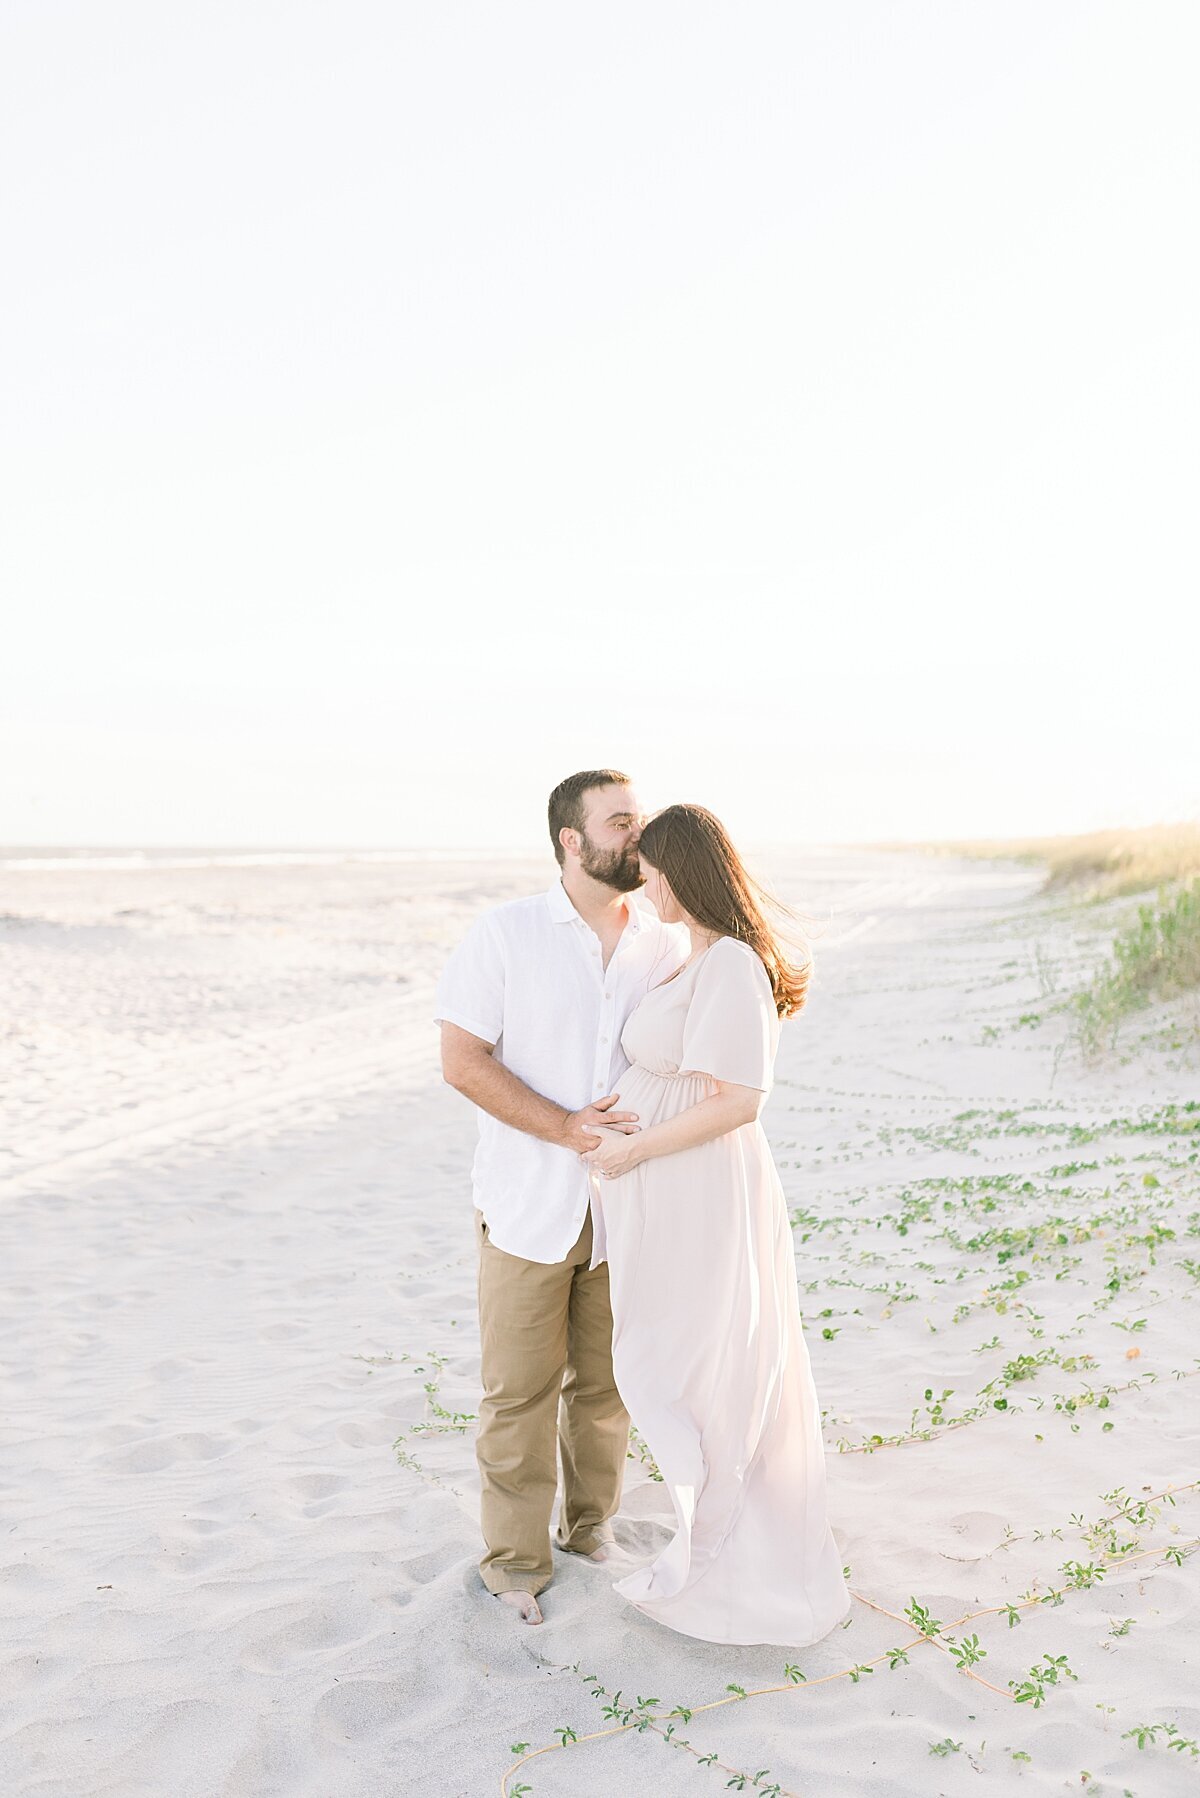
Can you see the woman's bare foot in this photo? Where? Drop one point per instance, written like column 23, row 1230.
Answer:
column 525, row 1605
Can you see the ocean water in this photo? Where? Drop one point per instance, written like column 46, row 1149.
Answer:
column 54, row 857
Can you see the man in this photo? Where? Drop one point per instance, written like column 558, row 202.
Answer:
column 531, row 1006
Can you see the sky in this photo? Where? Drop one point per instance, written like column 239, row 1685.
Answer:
column 405, row 406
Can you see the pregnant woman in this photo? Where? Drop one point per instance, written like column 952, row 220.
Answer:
column 708, row 1352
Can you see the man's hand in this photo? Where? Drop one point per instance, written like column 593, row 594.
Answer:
column 616, row 1155
column 579, row 1127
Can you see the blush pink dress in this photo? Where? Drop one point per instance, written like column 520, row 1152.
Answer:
column 708, row 1352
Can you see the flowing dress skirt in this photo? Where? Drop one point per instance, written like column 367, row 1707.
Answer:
column 711, row 1363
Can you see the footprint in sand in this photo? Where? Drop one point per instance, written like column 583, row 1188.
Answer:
column 170, row 1369
column 290, row 1634
column 202, row 1526
column 973, row 1535
column 116, row 1435
column 21, row 1577
column 357, row 1709
column 315, row 1492
column 29, row 1671
column 166, row 1451
column 318, row 1485
column 379, row 1433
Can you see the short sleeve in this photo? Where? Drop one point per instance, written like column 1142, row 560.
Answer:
column 731, row 1029
column 470, row 992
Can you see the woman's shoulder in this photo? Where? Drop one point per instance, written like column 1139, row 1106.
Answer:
column 733, row 957
column 737, row 943
column 731, row 947
column 732, row 1027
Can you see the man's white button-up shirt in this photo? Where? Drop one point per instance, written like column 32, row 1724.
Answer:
column 529, row 977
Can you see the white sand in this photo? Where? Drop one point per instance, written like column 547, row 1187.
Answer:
column 236, row 1229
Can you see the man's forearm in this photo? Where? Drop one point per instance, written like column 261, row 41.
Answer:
column 498, row 1091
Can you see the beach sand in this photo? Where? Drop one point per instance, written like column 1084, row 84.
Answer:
column 238, row 1355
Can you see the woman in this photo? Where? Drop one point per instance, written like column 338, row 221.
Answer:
column 708, row 1352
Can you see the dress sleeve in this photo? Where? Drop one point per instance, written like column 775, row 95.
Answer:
column 470, row 992
column 732, row 1027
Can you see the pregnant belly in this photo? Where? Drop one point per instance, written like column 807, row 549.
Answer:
column 619, row 1206
column 658, row 1096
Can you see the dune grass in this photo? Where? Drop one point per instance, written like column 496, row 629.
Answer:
column 1101, row 864
column 1153, row 957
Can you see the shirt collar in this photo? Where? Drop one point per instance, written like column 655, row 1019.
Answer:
column 563, row 912
column 561, row 909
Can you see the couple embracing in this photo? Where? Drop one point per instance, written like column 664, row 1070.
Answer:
column 618, row 1035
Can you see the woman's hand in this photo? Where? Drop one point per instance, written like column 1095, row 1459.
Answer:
column 615, row 1155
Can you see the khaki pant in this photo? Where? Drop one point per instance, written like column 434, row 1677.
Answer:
column 545, row 1335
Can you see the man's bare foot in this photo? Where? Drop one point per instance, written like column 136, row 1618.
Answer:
column 525, row 1605
column 610, row 1554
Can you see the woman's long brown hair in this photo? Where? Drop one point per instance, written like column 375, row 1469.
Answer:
column 690, row 849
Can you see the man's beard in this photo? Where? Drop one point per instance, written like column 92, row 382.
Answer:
column 617, row 868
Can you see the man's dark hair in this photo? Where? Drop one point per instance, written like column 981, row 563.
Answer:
column 566, row 802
